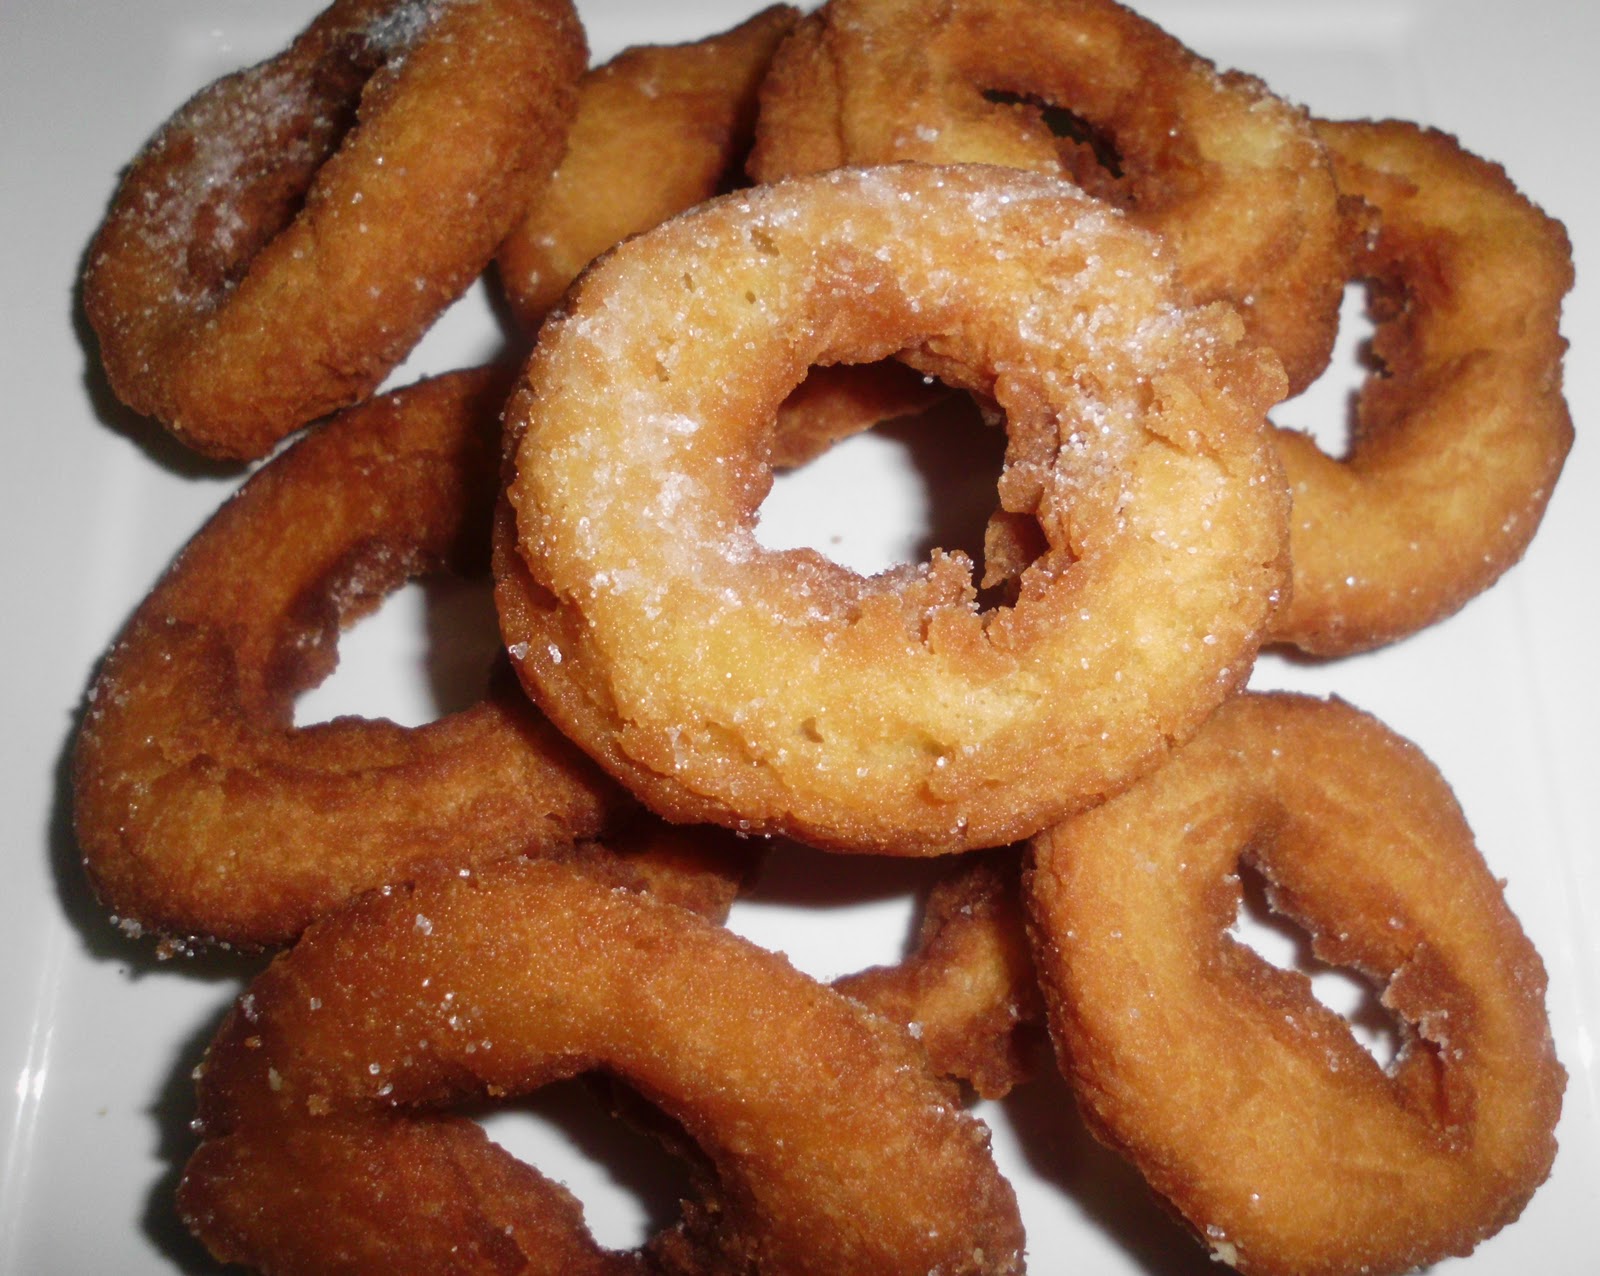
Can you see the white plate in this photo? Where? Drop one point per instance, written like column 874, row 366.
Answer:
column 96, row 1038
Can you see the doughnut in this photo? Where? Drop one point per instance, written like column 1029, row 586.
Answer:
column 202, row 812
column 658, row 128
column 777, row 692
column 1462, row 429
column 967, row 991
column 328, row 1139
column 288, row 235
column 1232, row 176
column 1248, row 1105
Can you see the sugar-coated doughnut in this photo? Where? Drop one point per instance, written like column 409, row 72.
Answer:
column 824, row 1143
column 1248, row 1105
column 779, row 692
column 289, row 234
column 1229, row 173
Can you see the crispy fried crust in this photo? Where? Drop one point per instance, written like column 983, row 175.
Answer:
column 1247, row 1104
column 967, row 991
column 289, row 234
column 202, row 812
column 699, row 867
column 1231, row 175
column 778, row 692
column 1462, row 429
column 658, row 129
column 323, row 1100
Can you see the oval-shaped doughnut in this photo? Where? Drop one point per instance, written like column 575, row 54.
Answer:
column 658, row 129
column 775, row 691
column 288, row 235
column 1231, row 175
column 201, row 810
column 1461, row 433
column 1247, row 1104
column 323, row 1100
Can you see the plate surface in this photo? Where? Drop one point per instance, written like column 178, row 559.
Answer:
column 97, row 1038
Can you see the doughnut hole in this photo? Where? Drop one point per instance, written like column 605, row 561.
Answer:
column 607, row 1146
column 832, row 915
column 1278, row 940
column 894, row 494
column 1088, row 152
column 424, row 653
column 1326, row 408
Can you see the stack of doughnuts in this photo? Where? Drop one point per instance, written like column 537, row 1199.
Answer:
column 720, row 258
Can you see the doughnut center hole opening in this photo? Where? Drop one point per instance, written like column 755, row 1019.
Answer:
column 1087, row 150
column 892, row 494
column 834, row 915
column 1326, row 409
column 426, row 652
column 629, row 1185
column 1281, row 942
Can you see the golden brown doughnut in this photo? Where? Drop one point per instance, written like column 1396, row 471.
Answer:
column 328, row 1140
column 1247, row 1104
column 1462, row 429
column 658, row 129
column 967, row 991
column 774, row 691
column 203, row 813
column 288, row 235
column 1231, row 175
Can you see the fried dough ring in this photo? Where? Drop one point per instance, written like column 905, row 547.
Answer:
column 779, row 692
column 202, row 812
column 828, row 1145
column 1246, row 1103
column 1459, row 439
column 1232, row 176
column 289, row 234
column 658, row 129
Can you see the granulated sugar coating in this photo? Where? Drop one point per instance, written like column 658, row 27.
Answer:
column 775, row 691
column 290, row 233
column 329, row 1080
